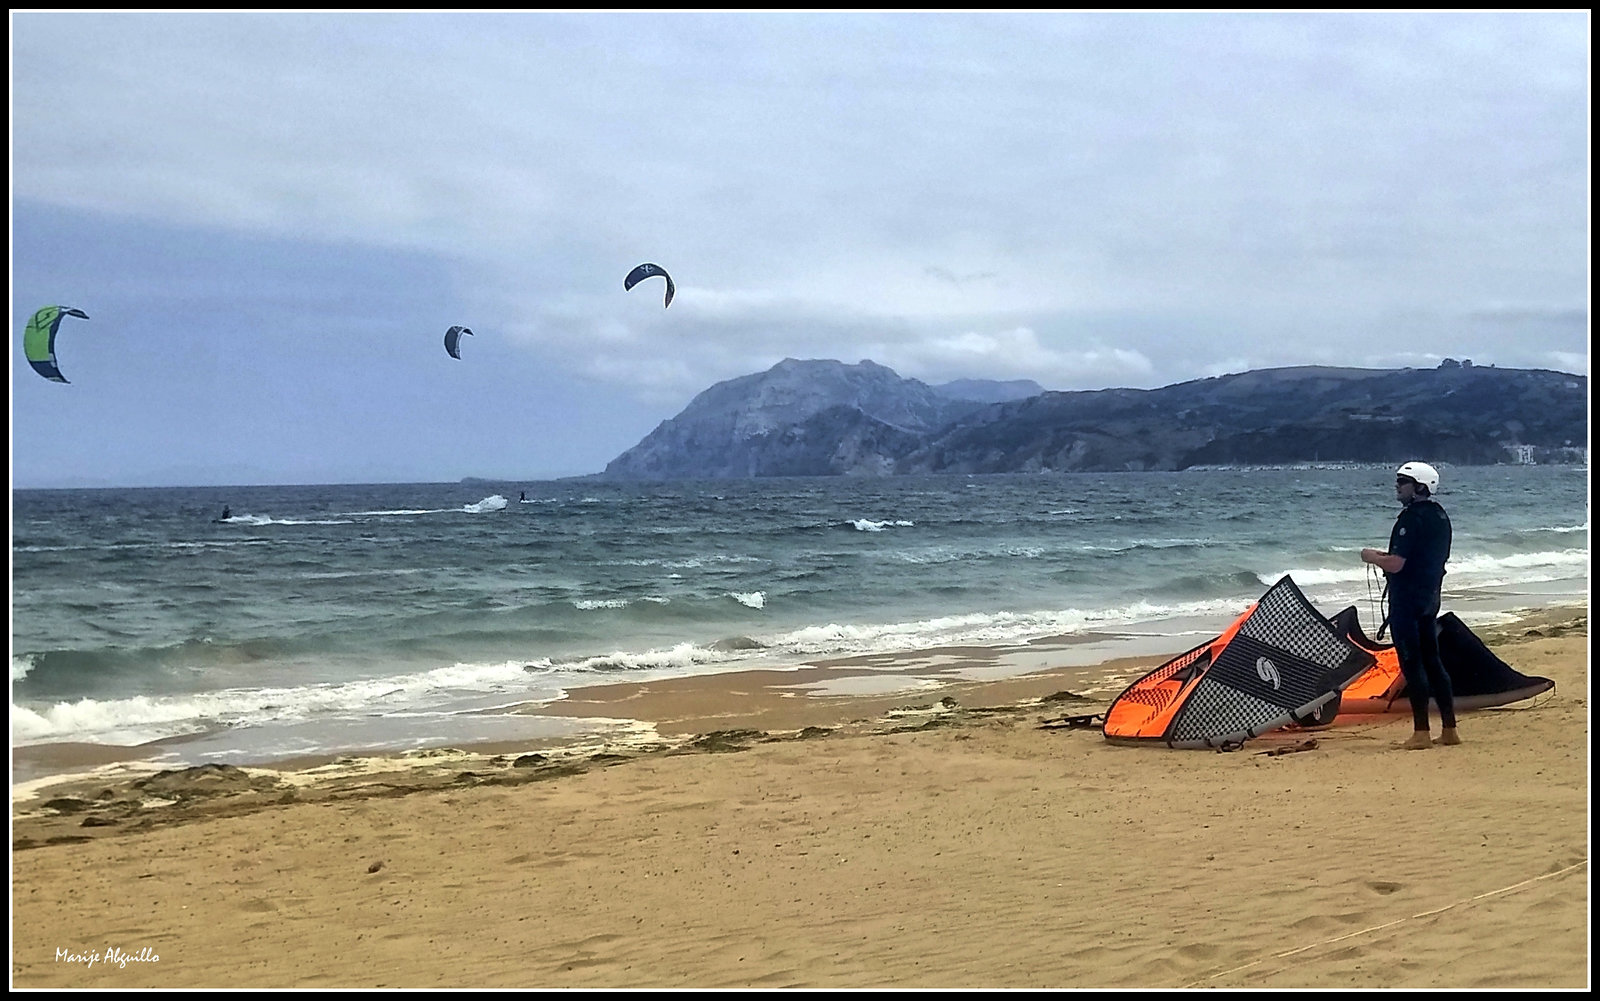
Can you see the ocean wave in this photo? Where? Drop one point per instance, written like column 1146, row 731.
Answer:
column 1313, row 576
column 678, row 657
column 682, row 562
column 1478, row 569
column 493, row 502
column 65, row 672
column 867, row 525
column 593, row 604
column 735, row 644
column 981, row 628
column 590, row 604
column 132, row 546
column 143, row 718
column 1230, row 581
column 750, row 599
column 1552, row 559
column 859, row 639
column 1137, row 545
column 935, row 555
column 347, row 574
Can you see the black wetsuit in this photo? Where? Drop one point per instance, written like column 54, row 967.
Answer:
column 1422, row 536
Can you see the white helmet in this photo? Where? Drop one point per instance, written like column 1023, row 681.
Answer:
column 1423, row 473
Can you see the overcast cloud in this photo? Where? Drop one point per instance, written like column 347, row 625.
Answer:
column 271, row 218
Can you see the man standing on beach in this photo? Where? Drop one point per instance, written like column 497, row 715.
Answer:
column 1419, row 545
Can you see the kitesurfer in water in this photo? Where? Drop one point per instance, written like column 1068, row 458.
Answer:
column 1419, row 545
column 227, row 513
column 524, row 496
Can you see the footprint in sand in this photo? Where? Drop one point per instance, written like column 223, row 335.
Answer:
column 1383, row 888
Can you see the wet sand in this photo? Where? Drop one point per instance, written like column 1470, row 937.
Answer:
column 802, row 829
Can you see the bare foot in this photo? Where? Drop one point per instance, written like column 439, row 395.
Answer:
column 1448, row 736
column 1419, row 741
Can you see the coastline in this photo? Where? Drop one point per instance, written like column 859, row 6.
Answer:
column 654, row 714
column 766, row 829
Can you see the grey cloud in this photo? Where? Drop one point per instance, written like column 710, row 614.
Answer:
column 1147, row 196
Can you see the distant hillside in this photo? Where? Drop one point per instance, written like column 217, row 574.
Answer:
column 798, row 418
column 988, row 390
column 821, row 418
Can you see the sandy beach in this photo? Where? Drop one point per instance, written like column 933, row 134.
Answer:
column 776, row 830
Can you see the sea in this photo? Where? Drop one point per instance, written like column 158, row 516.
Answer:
column 332, row 619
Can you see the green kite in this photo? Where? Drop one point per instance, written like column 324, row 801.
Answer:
column 39, row 340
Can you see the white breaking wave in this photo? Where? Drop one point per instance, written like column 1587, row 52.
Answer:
column 752, row 599
column 590, row 604
column 1136, row 544
column 1556, row 559
column 140, row 719
column 980, row 629
column 684, row 655
column 1474, row 570
column 833, row 639
column 494, row 502
column 681, row 563
column 934, row 555
column 864, row 525
column 20, row 666
column 1314, row 576
column 203, row 544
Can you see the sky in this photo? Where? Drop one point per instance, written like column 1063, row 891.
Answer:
column 272, row 218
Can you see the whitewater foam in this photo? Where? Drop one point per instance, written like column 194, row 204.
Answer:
column 261, row 519
column 139, row 719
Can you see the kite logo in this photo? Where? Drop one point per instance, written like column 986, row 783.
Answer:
column 1268, row 671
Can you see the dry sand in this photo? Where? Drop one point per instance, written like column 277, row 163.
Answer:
column 758, row 836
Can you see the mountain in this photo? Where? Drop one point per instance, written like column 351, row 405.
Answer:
column 989, row 390
column 798, row 418
column 821, row 418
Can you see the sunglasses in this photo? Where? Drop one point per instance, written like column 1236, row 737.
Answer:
column 1403, row 481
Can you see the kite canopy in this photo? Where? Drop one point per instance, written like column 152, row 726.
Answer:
column 452, row 340
column 644, row 271
column 39, row 339
column 1478, row 678
column 1280, row 662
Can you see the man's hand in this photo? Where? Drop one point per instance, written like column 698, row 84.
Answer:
column 1387, row 562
